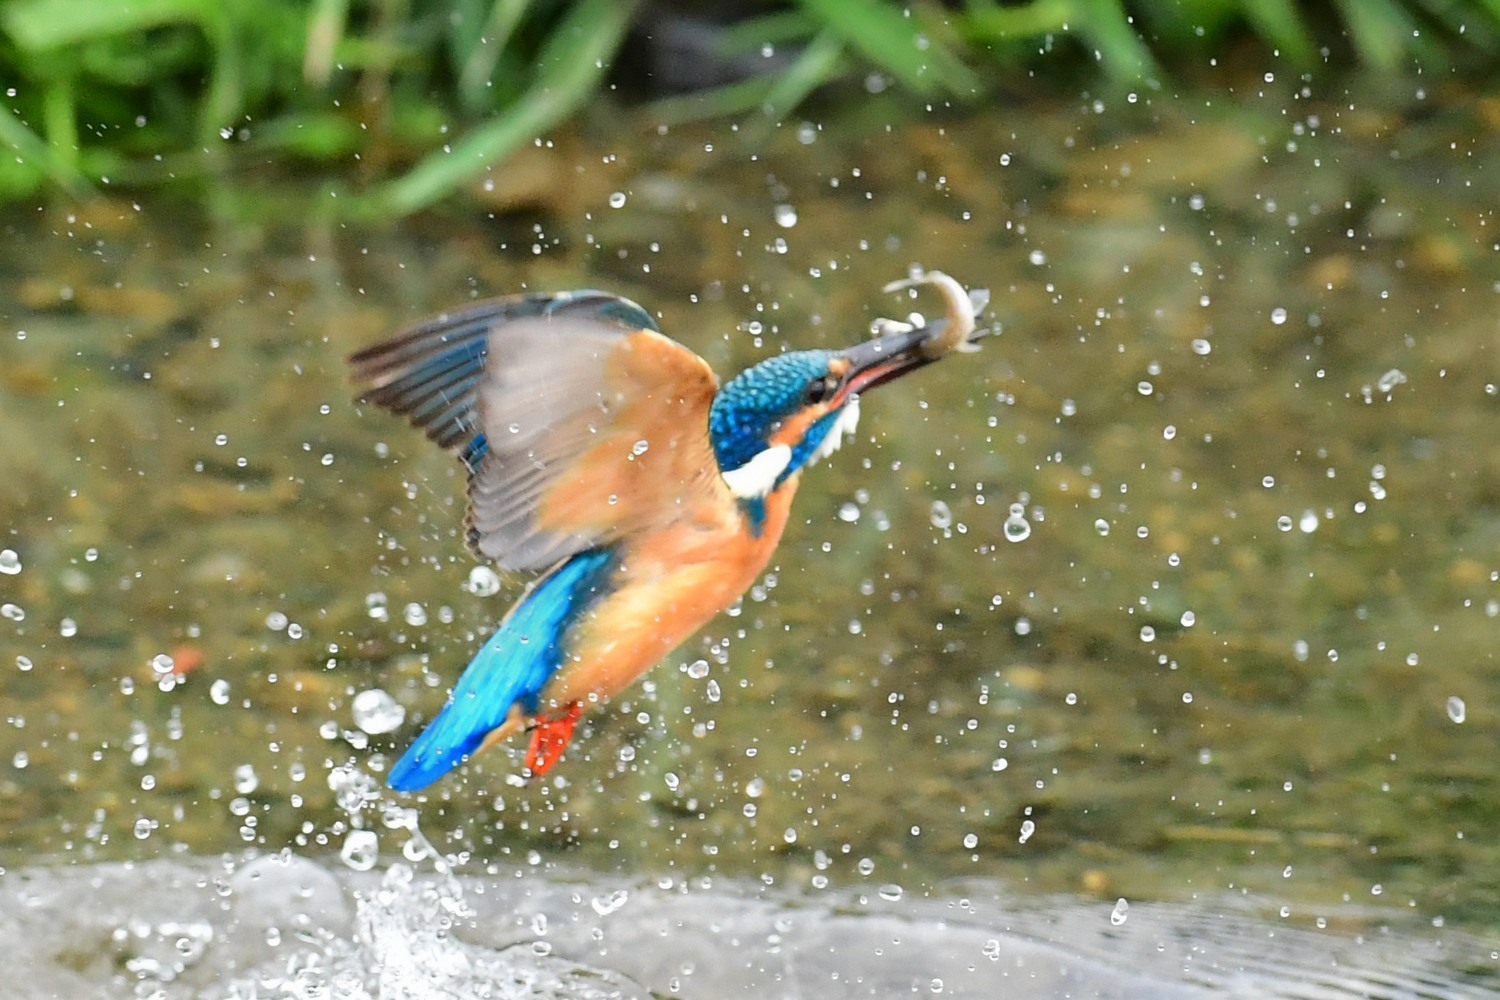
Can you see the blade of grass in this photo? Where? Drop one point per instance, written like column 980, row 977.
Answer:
column 325, row 27
column 1277, row 22
column 895, row 43
column 786, row 27
column 30, row 148
column 815, row 66
column 60, row 115
column 985, row 20
column 573, row 61
column 473, row 82
column 773, row 94
column 730, row 99
column 1380, row 30
column 37, row 25
column 1120, row 49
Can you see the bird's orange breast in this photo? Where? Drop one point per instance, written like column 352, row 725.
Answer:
column 668, row 585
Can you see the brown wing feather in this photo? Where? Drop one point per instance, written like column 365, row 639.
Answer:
column 549, row 399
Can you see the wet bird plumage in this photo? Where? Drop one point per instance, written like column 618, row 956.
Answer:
column 608, row 456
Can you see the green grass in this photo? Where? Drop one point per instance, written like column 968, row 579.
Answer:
column 407, row 102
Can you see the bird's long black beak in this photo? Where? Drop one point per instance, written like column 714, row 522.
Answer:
column 884, row 359
column 903, row 348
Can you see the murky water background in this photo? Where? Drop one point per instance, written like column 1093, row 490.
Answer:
column 1185, row 587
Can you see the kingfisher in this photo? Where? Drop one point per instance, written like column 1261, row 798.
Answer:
column 609, row 460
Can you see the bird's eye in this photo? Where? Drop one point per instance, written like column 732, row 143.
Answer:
column 820, row 389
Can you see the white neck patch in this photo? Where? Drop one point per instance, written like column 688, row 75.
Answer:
column 754, row 479
column 843, row 427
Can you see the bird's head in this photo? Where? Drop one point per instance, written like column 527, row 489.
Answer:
column 791, row 410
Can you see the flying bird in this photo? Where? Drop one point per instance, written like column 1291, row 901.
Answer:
column 609, row 459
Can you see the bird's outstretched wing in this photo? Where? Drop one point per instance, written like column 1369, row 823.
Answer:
column 579, row 422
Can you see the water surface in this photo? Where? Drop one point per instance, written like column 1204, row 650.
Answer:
column 1185, row 586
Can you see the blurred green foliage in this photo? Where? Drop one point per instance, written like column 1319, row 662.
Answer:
column 408, row 100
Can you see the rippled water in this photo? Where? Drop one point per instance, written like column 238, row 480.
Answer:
column 1185, row 586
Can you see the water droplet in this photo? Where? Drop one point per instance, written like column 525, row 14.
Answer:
column 1027, row 829
column 361, row 850
column 1188, row 619
column 10, row 562
column 971, row 841
column 162, row 664
column 605, row 905
column 1118, row 915
column 13, row 612
column 1016, row 527
column 143, row 828
column 276, row 621
column 414, row 614
column 483, row 582
column 940, row 515
column 712, row 690
column 786, row 216
column 1187, row 697
column 617, row 199
column 890, row 892
column 1148, row 634
column 219, row 692
column 20, row 760
column 698, row 669
column 1309, row 522
column 23, row 663
column 245, row 779
column 1278, row 316
column 67, row 628
column 1102, row 527
column 640, row 447
column 1202, row 346
column 377, row 712
column 1457, row 711
column 1390, row 380
column 1284, row 523
column 1144, row 387
column 1037, row 258
column 849, row 512
column 865, row 866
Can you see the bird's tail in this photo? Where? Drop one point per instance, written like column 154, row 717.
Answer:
column 509, row 670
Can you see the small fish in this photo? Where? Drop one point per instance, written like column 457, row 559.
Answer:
column 956, row 332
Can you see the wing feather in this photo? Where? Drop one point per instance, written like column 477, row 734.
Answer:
column 580, row 423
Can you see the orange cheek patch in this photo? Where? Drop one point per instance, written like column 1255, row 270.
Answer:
column 792, row 430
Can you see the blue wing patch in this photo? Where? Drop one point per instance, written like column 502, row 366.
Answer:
column 512, row 667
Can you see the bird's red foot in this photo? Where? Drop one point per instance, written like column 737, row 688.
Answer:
column 550, row 736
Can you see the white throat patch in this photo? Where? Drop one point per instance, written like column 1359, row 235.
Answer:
column 754, row 479
column 843, row 427
column 757, row 477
